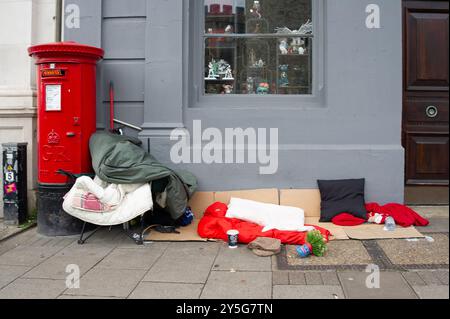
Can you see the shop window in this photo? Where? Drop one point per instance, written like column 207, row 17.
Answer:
column 263, row 47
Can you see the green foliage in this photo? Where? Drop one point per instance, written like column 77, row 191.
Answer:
column 31, row 220
column 318, row 243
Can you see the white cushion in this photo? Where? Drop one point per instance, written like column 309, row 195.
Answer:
column 136, row 200
column 270, row 216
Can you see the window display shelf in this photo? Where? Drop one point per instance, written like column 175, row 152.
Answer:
column 266, row 46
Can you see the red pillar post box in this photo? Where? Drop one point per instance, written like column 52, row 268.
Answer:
column 66, row 85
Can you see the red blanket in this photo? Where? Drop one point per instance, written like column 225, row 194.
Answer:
column 403, row 216
column 214, row 225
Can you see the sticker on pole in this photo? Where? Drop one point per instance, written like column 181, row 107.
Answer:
column 9, row 177
column 53, row 98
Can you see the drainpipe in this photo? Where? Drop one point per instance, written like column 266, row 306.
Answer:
column 58, row 20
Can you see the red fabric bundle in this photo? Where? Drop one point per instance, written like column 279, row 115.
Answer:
column 346, row 219
column 214, row 225
column 403, row 216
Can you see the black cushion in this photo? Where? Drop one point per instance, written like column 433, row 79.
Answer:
column 342, row 196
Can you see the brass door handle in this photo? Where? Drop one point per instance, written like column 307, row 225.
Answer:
column 70, row 134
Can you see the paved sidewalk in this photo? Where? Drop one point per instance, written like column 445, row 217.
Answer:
column 111, row 266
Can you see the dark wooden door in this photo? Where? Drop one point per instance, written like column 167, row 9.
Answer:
column 426, row 84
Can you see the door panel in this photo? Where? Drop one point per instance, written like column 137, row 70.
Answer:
column 426, row 83
column 429, row 156
column 426, row 51
column 432, row 110
column 426, row 34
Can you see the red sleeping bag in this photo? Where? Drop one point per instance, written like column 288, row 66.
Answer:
column 214, row 225
column 403, row 216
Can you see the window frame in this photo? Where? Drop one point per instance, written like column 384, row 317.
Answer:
column 195, row 45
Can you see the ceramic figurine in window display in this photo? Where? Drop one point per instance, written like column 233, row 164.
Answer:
column 296, row 44
column 260, row 64
column 263, row 88
column 228, row 74
column 229, row 29
column 227, row 89
column 221, row 69
column 284, row 46
column 284, row 80
column 212, row 74
column 301, row 50
column 256, row 10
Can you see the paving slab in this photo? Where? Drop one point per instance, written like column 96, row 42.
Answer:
column 241, row 259
column 87, row 297
column 414, row 279
column 437, row 225
column 129, row 258
column 55, row 267
column 10, row 273
column 155, row 290
column 433, row 211
column 392, row 286
column 313, row 279
column 430, row 277
column 307, row 292
column 443, row 276
column 432, row 292
column 297, row 278
column 184, row 263
column 11, row 243
column 7, row 231
column 28, row 256
column 330, row 279
column 33, row 289
column 107, row 283
column 105, row 237
column 238, row 285
column 280, row 278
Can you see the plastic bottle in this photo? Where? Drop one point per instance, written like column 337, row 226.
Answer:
column 389, row 224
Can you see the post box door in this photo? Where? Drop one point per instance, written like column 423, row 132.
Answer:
column 60, row 121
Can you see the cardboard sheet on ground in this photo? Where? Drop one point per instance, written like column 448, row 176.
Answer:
column 307, row 199
column 369, row 231
column 365, row 231
column 198, row 203
column 338, row 232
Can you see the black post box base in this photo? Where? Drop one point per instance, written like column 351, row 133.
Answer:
column 52, row 220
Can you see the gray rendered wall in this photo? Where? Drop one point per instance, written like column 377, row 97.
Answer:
column 355, row 132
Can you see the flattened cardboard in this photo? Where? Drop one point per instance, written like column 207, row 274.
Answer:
column 337, row 232
column 307, row 199
column 371, row 231
column 267, row 196
column 365, row 231
column 200, row 202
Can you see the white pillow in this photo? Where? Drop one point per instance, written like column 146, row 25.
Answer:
column 270, row 216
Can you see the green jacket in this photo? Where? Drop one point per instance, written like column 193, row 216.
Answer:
column 121, row 160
